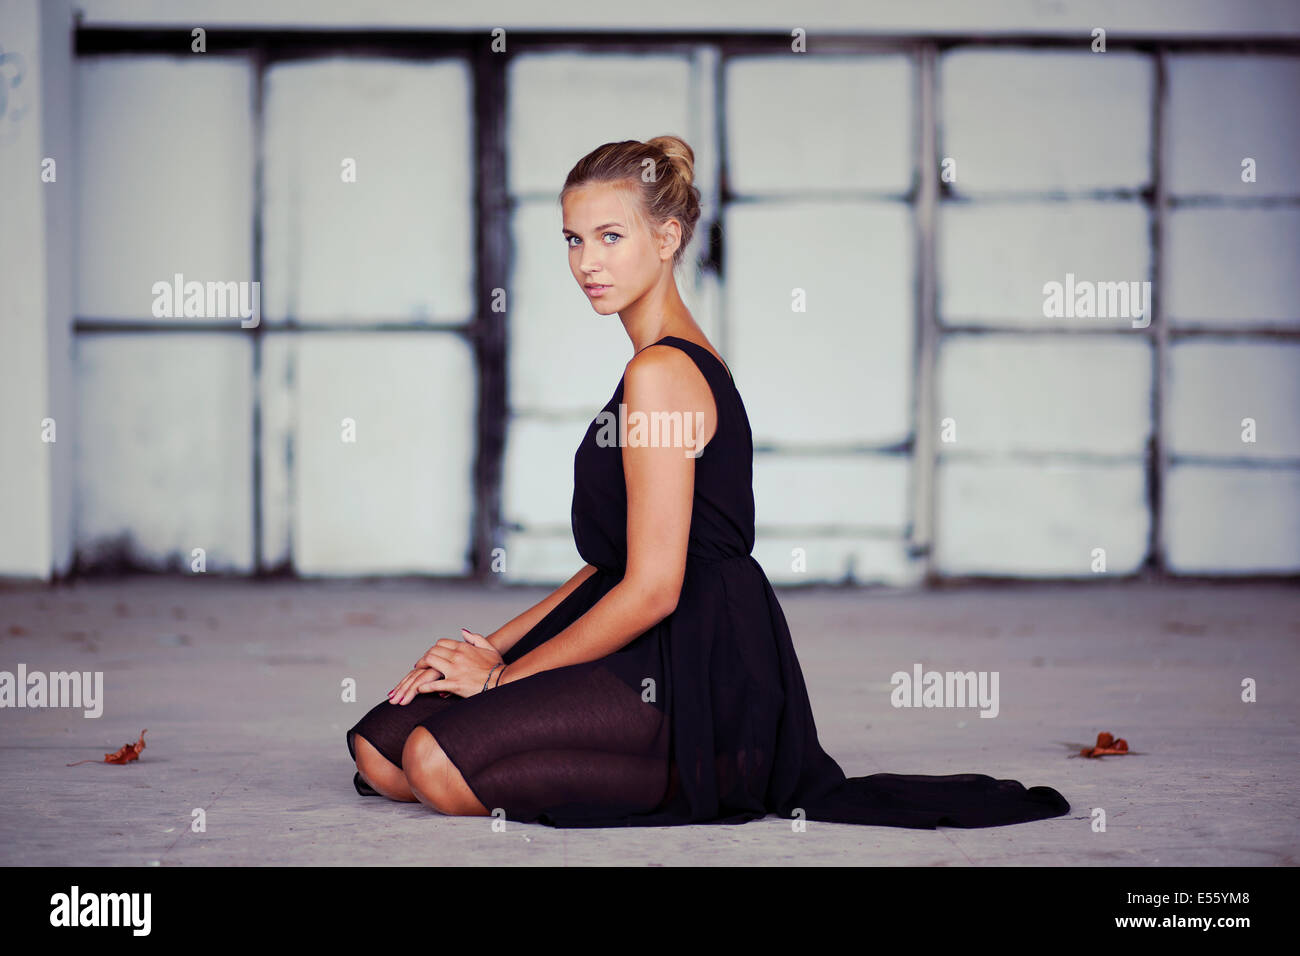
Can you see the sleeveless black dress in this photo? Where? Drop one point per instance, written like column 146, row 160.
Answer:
column 704, row 717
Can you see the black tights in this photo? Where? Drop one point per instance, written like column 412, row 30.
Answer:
column 573, row 736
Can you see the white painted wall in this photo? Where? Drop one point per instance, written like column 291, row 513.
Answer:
column 36, row 272
column 1195, row 18
column 1044, row 462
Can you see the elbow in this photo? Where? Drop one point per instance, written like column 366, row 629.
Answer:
column 659, row 599
column 667, row 603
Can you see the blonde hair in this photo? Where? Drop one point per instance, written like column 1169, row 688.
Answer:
column 659, row 173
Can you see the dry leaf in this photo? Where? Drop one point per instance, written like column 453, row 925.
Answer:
column 1107, row 746
column 126, row 754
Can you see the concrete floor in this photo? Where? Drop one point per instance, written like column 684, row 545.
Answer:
column 239, row 682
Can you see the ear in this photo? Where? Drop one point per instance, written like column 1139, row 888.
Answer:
column 670, row 238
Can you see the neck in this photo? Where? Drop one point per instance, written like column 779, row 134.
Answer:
column 659, row 312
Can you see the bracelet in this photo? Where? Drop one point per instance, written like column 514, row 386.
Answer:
column 499, row 676
column 489, row 676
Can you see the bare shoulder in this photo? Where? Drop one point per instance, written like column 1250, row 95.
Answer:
column 661, row 369
column 664, row 379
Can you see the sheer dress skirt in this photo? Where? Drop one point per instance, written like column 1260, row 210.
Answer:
column 576, row 738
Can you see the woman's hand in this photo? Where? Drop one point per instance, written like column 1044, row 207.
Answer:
column 457, row 667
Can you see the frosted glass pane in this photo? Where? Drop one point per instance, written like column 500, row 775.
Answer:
column 1213, row 386
column 164, row 178
column 1032, row 520
column 599, row 98
column 279, row 400
column 538, row 489
column 995, row 260
column 836, row 491
column 1020, row 121
column 535, row 558
column 1243, row 520
column 164, row 448
column 1055, row 393
column 1234, row 266
column 838, row 559
column 398, row 499
column 826, row 123
column 1224, row 109
column 398, row 243
column 841, row 370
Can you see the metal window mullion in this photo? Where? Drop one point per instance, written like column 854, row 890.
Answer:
column 1159, row 321
column 925, row 211
column 257, row 63
column 489, row 331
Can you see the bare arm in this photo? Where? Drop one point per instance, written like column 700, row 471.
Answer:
column 660, row 494
column 507, row 635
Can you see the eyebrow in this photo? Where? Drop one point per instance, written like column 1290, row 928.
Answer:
column 603, row 225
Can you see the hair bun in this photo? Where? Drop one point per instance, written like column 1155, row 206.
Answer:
column 679, row 153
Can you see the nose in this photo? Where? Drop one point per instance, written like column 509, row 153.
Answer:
column 589, row 261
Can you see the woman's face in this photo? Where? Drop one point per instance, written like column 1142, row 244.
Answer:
column 609, row 248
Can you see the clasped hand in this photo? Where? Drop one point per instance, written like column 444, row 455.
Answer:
column 456, row 667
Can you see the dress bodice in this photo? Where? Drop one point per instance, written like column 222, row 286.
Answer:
column 722, row 515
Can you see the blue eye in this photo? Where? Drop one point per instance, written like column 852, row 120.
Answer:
column 569, row 240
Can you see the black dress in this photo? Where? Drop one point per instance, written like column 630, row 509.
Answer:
column 702, row 718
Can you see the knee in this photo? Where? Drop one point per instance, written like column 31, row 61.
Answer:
column 370, row 761
column 425, row 766
column 378, row 771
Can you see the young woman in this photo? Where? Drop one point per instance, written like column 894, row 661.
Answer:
column 659, row 684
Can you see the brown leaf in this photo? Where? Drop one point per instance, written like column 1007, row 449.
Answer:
column 1107, row 746
column 126, row 754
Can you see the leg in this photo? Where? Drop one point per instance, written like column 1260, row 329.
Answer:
column 541, row 779
column 434, row 779
column 380, row 773
column 570, row 737
column 375, row 744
